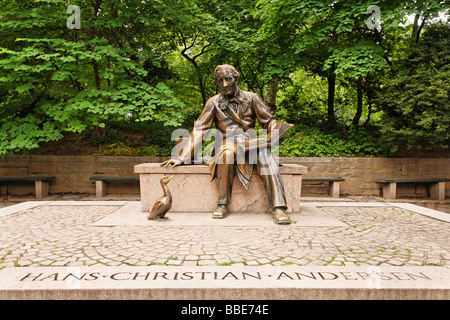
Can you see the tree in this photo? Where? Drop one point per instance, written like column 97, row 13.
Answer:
column 56, row 80
column 324, row 39
column 415, row 101
column 332, row 39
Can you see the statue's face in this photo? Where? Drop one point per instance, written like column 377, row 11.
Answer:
column 226, row 82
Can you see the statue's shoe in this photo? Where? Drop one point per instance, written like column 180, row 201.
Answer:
column 220, row 212
column 280, row 216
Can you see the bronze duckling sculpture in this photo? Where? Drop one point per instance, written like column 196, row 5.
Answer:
column 163, row 204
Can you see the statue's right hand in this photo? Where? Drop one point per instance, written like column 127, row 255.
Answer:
column 172, row 162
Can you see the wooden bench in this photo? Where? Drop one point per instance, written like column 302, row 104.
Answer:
column 41, row 183
column 437, row 186
column 100, row 183
column 333, row 184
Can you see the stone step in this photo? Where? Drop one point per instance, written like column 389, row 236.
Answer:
column 225, row 282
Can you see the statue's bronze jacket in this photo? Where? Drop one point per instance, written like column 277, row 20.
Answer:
column 235, row 116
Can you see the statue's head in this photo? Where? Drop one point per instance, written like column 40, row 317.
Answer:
column 226, row 78
column 165, row 179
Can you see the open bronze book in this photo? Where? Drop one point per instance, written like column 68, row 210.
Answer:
column 276, row 133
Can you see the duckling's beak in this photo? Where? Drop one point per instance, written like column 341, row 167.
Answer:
column 169, row 178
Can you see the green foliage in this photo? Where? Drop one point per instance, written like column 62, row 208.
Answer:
column 144, row 68
column 55, row 80
column 358, row 59
column 303, row 101
column 160, row 137
column 416, row 100
column 26, row 133
column 305, row 142
column 122, row 149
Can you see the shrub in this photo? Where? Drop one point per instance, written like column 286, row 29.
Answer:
column 313, row 143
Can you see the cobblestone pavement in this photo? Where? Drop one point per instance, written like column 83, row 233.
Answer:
column 65, row 236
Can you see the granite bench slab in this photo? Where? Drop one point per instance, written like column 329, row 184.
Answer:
column 333, row 184
column 436, row 185
column 192, row 190
column 100, row 183
column 41, row 183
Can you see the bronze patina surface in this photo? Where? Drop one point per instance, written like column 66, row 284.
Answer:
column 237, row 150
column 163, row 204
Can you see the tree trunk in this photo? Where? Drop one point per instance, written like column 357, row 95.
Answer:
column 415, row 26
column 331, row 78
column 200, row 80
column 369, row 111
column 271, row 96
column 359, row 91
column 369, row 94
column 99, row 131
column 415, row 35
column 202, row 89
column 194, row 63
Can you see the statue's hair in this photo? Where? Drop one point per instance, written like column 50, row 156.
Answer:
column 225, row 67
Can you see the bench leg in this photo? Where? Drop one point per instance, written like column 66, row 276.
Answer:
column 437, row 190
column 100, row 189
column 41, row 189
column 334, row 189
column 4, row 189
column 390, row 190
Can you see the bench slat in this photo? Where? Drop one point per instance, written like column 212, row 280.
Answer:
column 437, row 186
column 323, row 179
column 41, row 183
column 425, row 180
column 27, row 178
column 333, row 187
column 100, row 183
column 122, row 179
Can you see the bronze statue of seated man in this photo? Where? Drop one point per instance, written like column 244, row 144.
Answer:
column 234, row 111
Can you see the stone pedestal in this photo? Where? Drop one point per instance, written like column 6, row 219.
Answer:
column 437, row 191
column 334, row 189
column 390, row 191
column 192, row 190
column 41, row 187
